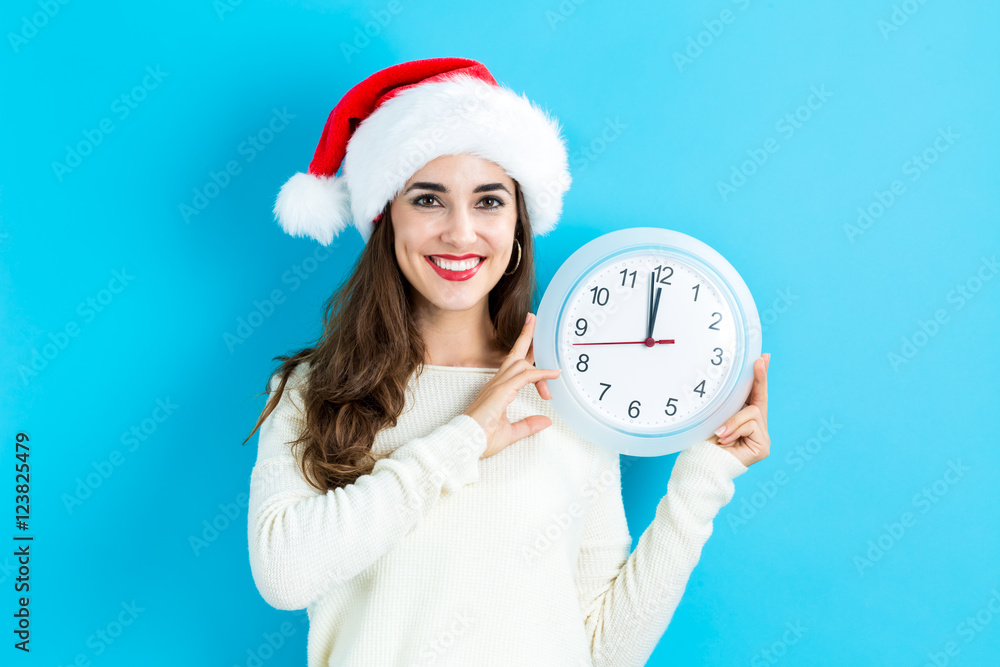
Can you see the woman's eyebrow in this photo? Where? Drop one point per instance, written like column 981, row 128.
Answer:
column 491, row 186
column 437, row 187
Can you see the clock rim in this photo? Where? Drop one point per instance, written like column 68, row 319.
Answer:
column 602, row 250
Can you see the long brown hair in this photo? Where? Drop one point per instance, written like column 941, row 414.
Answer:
column 361, row 364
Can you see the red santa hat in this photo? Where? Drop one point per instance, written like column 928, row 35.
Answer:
column 400, row 118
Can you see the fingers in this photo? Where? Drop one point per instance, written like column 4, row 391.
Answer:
column 758, row 393
column 529, row 426
column 518, row 351
column 746, row 429
column 542, row 386
column 543, row 390
column 749, row 414
column 523, row 349
column 523, row 341
column 536, row 375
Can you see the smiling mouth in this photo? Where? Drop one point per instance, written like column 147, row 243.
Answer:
column 457, row 266
column 458, row 270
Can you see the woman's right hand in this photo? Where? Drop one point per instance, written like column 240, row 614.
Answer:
column 490, row 406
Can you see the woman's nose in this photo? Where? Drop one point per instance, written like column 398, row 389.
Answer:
column 460, row 228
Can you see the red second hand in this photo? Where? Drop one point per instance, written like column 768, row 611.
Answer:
column 649, row 342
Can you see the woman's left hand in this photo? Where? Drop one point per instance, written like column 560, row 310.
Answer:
column 745, row 435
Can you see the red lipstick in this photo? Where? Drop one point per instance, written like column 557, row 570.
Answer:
column 454, row 275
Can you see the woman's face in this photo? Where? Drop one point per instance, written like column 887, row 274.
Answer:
column 455, row 205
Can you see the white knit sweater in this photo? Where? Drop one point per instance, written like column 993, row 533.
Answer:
column 439, row 557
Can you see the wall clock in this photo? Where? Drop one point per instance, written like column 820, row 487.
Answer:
column 655, row 334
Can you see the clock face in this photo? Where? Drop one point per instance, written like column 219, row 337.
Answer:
column 655, row 334
column 647, row 339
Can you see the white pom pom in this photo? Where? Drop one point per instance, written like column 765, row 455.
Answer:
column 315, row 206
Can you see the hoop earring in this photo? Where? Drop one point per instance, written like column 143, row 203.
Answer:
column 518, row 258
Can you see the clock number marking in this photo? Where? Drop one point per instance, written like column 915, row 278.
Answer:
column 663, row 279
column 634, row 405
column 581, row 326
column 712, row 325
column 671, row 409
column 599, row 294
column 700, row 388
column 583, row 360
column 606, row 387
column 695, row 288
column 714, row 362
column 624, row 273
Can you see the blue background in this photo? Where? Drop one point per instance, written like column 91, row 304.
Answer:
column 87, row 354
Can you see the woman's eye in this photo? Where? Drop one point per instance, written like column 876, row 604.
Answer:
column 497, row 202
column 424, row 200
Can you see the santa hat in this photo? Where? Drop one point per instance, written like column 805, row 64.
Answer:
column 397, row 120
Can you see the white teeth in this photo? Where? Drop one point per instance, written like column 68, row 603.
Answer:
column 452, row 265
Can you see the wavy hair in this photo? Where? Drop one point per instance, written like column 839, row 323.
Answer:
column 361, row 364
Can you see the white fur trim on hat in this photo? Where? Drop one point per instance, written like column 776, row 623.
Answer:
column 314, row 206
column 460, row 114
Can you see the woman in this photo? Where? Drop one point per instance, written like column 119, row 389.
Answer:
column 413, row 488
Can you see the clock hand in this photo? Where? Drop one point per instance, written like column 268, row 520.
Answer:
column 649, row 309
column 656, row 307
column 648, row 342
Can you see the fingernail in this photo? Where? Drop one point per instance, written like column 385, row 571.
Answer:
column 720, row 430
column 528, row 318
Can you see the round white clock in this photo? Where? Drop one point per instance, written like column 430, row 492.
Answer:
column 656, row 335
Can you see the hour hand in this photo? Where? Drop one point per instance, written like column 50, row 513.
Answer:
column 656, row 306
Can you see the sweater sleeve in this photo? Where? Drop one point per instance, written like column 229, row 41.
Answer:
column 628, row 600
column 303, row 541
